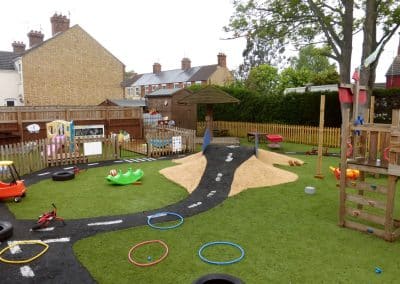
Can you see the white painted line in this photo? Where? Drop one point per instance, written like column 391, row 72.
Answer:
column 26, row 271
column 105, row 223
column 129, row 161
column 68, row 168
column 92, row 164
column 15, row 249
column 151, row 159
column 60, row 240
column 43, row 174
column 118, row 161
column 232, row 146
column 45, row 229
column 136, row 160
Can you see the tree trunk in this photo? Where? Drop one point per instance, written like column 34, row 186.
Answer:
column 347, row 43
column 367, row 75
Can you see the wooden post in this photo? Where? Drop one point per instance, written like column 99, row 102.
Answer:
column 343, row 165
column 372, row 110
column 318, row 173
column 19, row 122
column 209, row 118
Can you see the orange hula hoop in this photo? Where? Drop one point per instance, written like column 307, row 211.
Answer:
column 349, row 150
column 131, row 260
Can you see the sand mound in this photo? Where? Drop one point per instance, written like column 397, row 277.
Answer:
column 255, row 172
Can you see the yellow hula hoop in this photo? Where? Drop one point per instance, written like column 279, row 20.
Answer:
column 46, row 247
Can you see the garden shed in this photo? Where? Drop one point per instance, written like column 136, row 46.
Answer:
column 165, row 102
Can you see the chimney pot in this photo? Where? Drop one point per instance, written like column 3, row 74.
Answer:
column 221, row 59
column 35, row 37
column 59, row 23
column 185, row 63
column 156, row 68
column 18, row 47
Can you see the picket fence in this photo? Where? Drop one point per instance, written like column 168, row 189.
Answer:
column 36, row 155
column 291, row 133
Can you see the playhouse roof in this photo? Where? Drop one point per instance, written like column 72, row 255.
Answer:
column 209, row 95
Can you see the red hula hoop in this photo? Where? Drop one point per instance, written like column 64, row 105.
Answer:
column 349, row 150
column 385, row 153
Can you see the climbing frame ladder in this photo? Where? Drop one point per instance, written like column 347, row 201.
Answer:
column 366, row 206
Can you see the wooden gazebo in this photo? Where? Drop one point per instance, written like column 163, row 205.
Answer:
column 209, row 96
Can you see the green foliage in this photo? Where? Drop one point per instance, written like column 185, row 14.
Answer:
column 290, row 78
column 313, row 59
column 385, row 101
column 263, row 79
column 293, row 108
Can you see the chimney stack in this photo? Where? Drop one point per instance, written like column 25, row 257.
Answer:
column 59, row 23
column 35, row 37
column 18, row 47
column 156, row 68
column 221, row 59
column 185, row 63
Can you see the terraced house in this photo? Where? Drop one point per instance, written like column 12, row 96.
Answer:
column 70, row 68
column 140, row 85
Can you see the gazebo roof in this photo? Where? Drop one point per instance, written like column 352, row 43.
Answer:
column 209, row 95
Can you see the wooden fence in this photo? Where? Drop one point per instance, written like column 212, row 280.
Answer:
column 14, row 120
column 165, row 140
column 291, row 133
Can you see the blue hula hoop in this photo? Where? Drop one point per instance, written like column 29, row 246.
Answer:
column 221, row 262
column 162, row 214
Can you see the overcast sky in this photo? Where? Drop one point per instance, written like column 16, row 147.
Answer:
column 140, row 33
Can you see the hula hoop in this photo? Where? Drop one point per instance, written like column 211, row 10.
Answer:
column 162, row 214
column 386, row 153
column 221, row 262
column 131, row 260
column 46, row 247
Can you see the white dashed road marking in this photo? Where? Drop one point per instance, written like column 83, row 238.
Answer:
column 43, row 174
column 26, row 271
column 105, row 223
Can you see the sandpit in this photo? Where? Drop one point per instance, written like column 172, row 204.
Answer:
column 255, row 172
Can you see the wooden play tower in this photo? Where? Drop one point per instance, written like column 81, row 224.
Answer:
column 367, row 204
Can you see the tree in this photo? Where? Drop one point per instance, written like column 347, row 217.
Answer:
column 277, row 24
column 290, row 78
column 313, row 59
column 263, row 79
column 328, row 22
column 383, row 13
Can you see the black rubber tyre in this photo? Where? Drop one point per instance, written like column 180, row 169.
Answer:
column 6, row 230
column 63, row 176
column 218, row 279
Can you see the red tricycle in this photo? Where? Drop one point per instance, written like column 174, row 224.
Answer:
column 11, row 185
column 46, row 218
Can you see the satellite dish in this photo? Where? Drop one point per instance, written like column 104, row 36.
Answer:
column 33, row 128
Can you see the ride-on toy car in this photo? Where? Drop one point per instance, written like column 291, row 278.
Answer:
column 11, row 185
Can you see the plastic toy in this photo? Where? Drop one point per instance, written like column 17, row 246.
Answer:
column 163, row 214
column 350, row 173
column 221, row 262
column 127, row 178
column 113, row 172
column 16, row 243
column 46, row 218
column 149, row 263
column 15, row 188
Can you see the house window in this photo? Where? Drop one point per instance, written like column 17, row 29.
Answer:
column 198, row 83
column 176, row 85
column 10, row 103
column 188, row 84
column 153, row 87
column 163, row 86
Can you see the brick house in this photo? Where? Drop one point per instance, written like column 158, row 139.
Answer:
column 393, row 73
column 141, row 85
column 70, row 68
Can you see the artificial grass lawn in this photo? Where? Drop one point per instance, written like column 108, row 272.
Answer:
column 90, row 195
column 288, row 237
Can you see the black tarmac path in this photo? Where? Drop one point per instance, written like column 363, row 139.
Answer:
column 59, row 264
